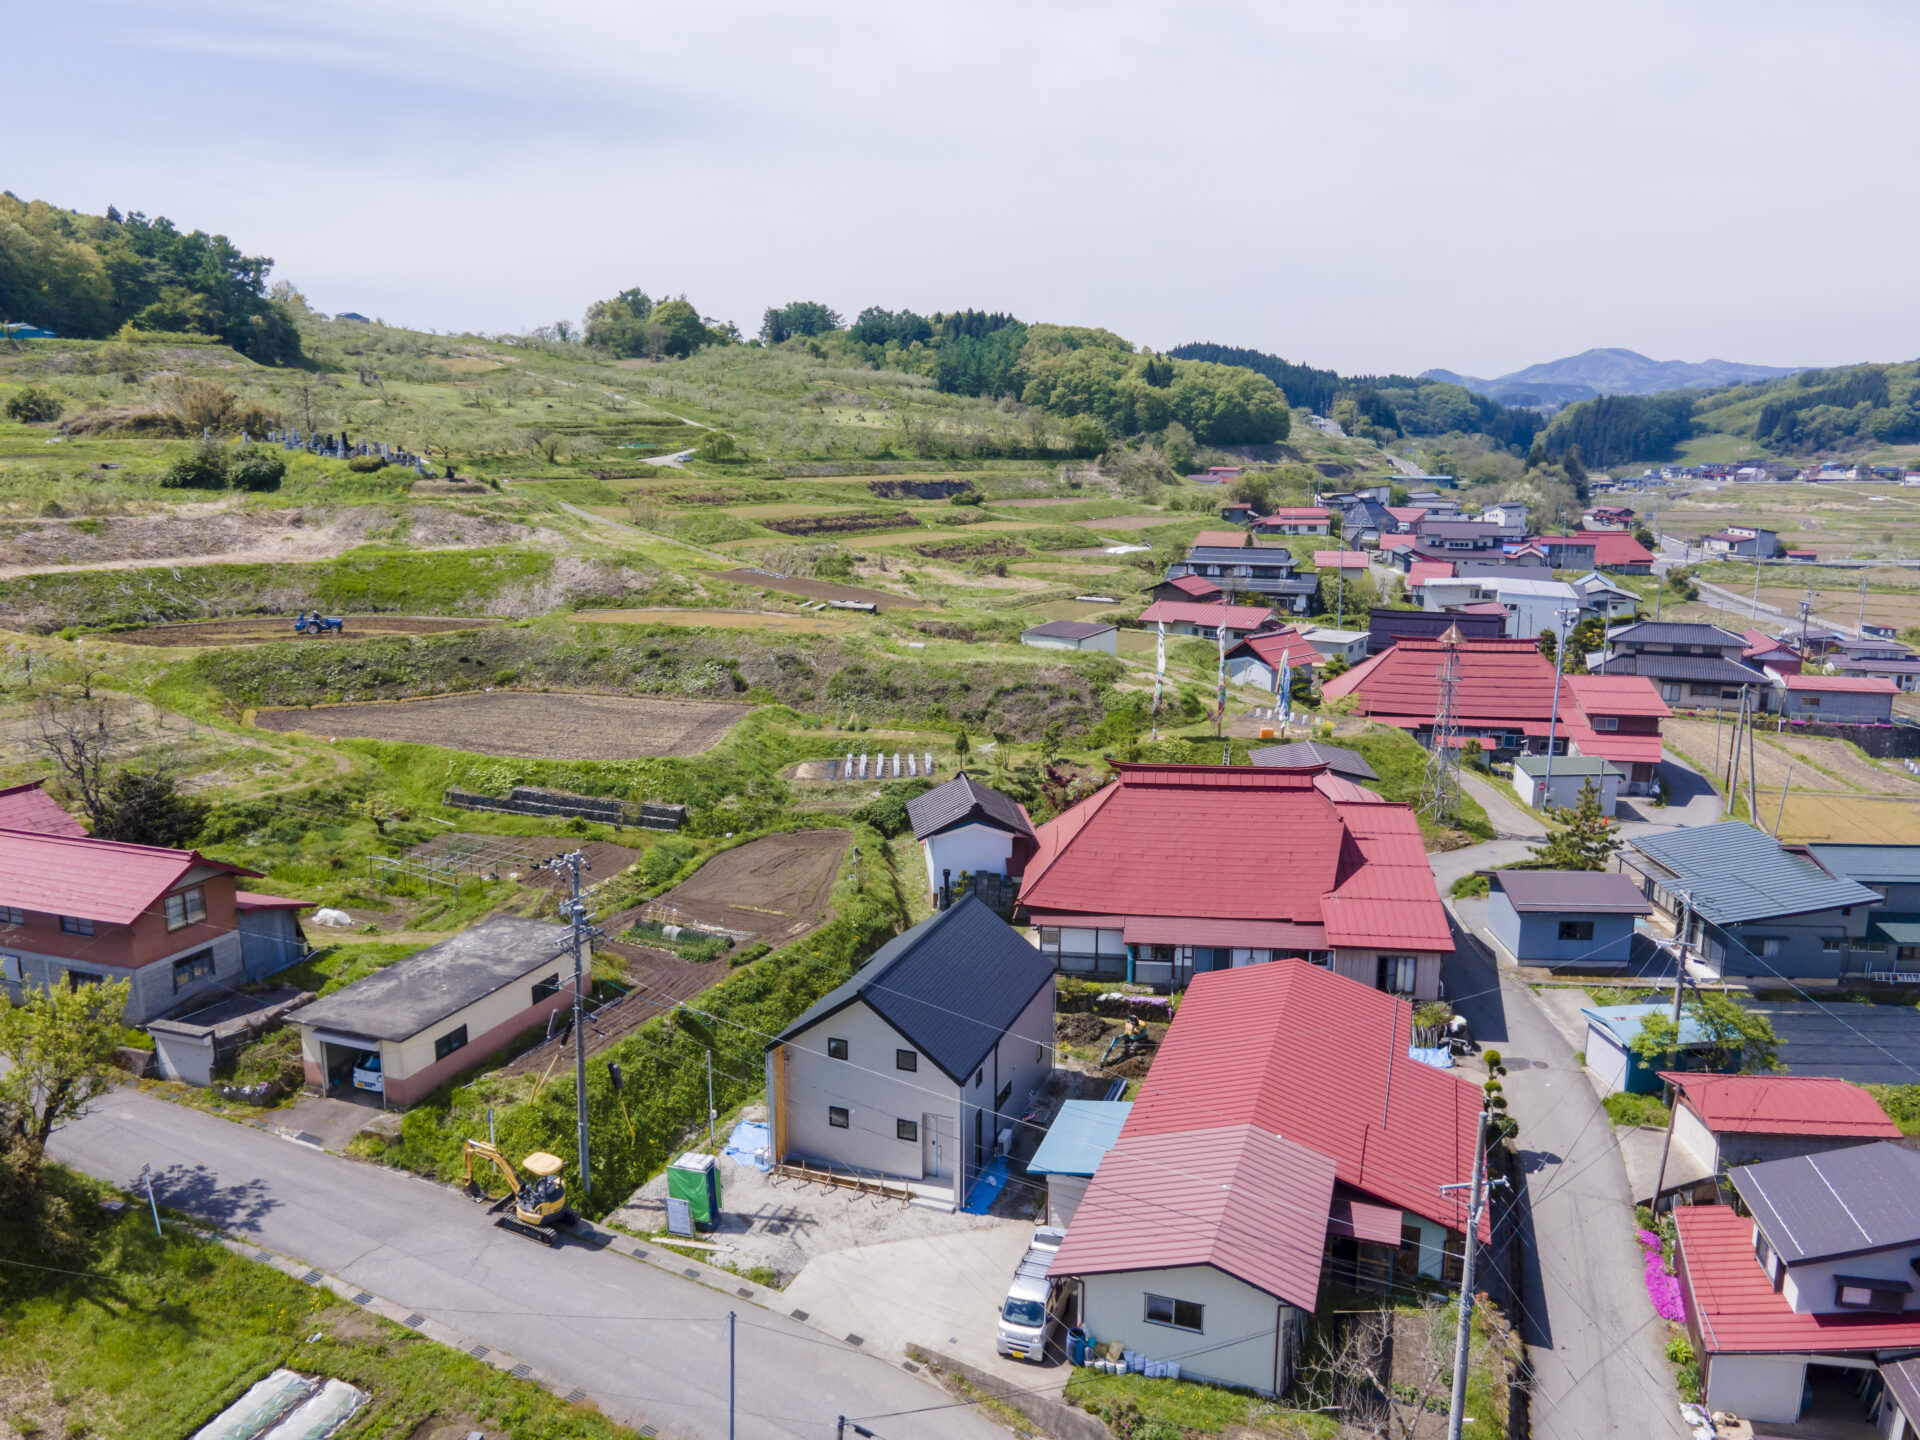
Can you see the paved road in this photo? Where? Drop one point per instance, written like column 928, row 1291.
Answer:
column 646, row 1346
column 1592, row 1336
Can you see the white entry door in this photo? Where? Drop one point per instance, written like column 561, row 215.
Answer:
column 936, row 1147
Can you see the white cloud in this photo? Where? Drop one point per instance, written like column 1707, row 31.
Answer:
column 1370, row 186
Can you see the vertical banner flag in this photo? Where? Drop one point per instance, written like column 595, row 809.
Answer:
column 1220, row 674
column 1159, row 674
column 1284, row 680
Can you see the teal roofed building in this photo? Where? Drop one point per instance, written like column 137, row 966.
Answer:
column 1610, row 1033
column 1071, row 1151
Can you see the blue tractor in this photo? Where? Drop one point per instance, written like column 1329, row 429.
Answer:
column 312, row 622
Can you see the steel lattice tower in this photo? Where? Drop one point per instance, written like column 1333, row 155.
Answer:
column 1440, row 787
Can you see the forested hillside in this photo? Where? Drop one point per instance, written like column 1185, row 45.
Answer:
column 1817, row 412
column 86, row 276
column 1376, row 404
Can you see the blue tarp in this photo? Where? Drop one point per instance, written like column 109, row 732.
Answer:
column 750, row 1144
column 980, row 1199
column 1438, row 1056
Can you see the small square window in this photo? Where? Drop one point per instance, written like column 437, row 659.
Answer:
column 74, row 925
column 837, row 1117
column 907, row 1130
column 1832, row 944
column 9, row 915
column 1576, row 930
column 186, row 907
column 193, row 969
column 546, row 989
column 448, row 1043
column 836, row 1049
column 906, row 1060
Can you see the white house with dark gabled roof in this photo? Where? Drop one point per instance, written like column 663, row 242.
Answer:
column 965, row 828
column 909, row 1071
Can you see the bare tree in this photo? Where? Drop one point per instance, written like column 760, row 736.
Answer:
column 1384, row 1373
column 81, row 737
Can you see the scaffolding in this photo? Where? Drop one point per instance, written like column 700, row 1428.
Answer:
column 1440, row 787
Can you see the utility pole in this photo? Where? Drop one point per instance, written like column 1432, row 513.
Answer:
column 1559, row 658
column 576, row 913
column 1679, row 983
column 730, row 1328
column 1457, row 1410
column 712, row 1115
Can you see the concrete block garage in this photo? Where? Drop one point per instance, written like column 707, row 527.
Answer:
column 408, row 1029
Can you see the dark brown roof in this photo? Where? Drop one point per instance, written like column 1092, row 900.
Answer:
column 1585, row 891
column 963, row 798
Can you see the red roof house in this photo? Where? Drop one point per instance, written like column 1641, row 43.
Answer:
column 1282, row 1133
column 1727, row 1120
column 80, row 911
column 1339, row 560
column 1187, row 589
column 1294, row 520
column 1841, row 699
column 28, row 807
column 1188, row 617
column 1257, row 660
column 1770, row 654
column 1504, row 698
column 1230, row 539
column 1421, row 571
column 1612, row 550
column 1134, row 881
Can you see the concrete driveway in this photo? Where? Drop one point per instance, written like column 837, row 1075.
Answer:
column 647, row 1345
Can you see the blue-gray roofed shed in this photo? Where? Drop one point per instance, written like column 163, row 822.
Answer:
column 1730, row 873
column 1081, row 1133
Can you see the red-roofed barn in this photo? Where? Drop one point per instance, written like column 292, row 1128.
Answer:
column 1136, row 883
column 1727, row 1120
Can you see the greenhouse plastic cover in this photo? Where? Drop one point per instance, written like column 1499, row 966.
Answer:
column 261, row 1406
column 321, row 1415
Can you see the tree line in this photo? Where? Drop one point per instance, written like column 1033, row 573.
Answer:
column 1618, row 428
column 1373, row 404
column 87, row 276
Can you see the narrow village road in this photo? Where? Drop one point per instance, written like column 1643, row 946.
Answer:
column 648, row 1347
column 1592, row 1337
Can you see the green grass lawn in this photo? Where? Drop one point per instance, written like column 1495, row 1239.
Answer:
column 1627, row 1109
column 1192, row 1408
column 153, row 1337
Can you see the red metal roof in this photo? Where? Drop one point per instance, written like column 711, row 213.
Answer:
column 1286, row 645
column 1610, row 547
column 92, row 879
column 1478, row 607
column 1150, row 844
column 1397, row 542
column 1784, row 1105
column 28, row 807
column 1191, row 612
column 1321, row 1060
column 1739, row 1310
column 1409, row 514
column 1195, row 585
column 1871, row 684
column 1422, row 571
column 1296, row 512
column 1339, row 560
column 1617, row 695
column 1232, row 539
column 1234, row 1197
column 1498, row 680
column 1379, row 1224
column 1243, row 934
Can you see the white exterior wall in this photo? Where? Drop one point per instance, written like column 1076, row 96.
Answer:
column 1690, row 1134
column 875, row 1092
column 1106, row 643
column 1606, row 1059
column 966, row 847
column 1565, row 789
column 401, row 1058
column 1809, row 1288
column 1757, row 1387
column 1116, row 1307
column 1064, row 1194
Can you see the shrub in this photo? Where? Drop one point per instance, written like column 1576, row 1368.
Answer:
column 202, row 468
column 888, row 814
column 1471, row 887
column 257, row 467
column 34, row 406
column 367, row 464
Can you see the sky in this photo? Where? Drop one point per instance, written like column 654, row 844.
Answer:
column 1374, row 187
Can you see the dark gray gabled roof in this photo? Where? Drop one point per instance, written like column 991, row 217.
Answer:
column 1304, row 753
column 1278, row 555
column 1585, row 892
column 950, row 986
column 1836, row 1203
column 1661, row 666
column 964, row 798
column 410, row 995
column 1676, row 632
column 1888, row 864
column 1733, row 873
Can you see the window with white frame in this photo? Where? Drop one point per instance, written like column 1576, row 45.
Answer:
column 1397, row 974
column 1179, row 1314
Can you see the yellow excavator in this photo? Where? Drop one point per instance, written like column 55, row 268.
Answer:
column 535, row 1207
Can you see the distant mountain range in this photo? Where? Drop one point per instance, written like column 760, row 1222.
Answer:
column 1608, row 372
